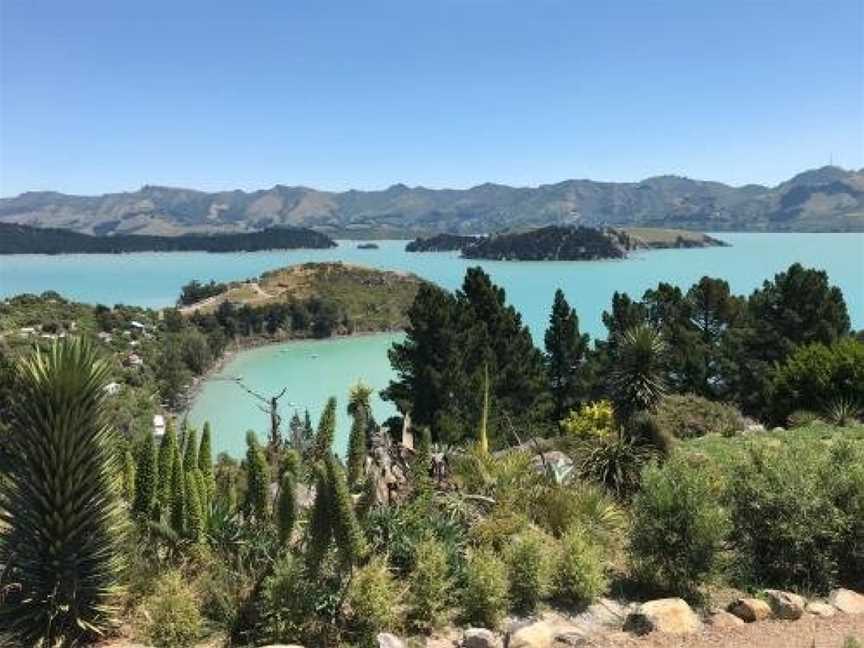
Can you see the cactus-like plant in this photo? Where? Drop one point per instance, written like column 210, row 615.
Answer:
column 357, row 446
column 326, row 430
column 166, row 467
column 346, row 529
column 60, row 510
column 145, row 479
column 287, row 507
column 205, row 463
column 257, row 480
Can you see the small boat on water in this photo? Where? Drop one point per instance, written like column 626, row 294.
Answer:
column 314, row 356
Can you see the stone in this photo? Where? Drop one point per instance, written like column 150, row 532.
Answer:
column 847, row 601
column 750, row 609
column 669, row 615
column 387, row 640
column 722, row 619
column 817, row 608
column 480, row 638
column 778, row 430
column 754, row 428
column 605, row 613
column 573, row 638
column 534, row 635
column 785, row 605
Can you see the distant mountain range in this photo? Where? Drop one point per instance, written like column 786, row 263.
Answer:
column 826, row 199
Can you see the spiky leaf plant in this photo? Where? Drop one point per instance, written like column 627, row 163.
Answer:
column 637, row 380
column 166, row 467
column 190, row 451
column 326, row 430
column 346, row 529
column 257, row 480
column 62, row 518
column 178, row 494
column 145, row 479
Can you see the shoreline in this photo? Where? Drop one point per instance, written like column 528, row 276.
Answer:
column 247, row 344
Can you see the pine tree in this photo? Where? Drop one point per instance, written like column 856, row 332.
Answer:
column 326, row 430
column 357, row 446
column 287, row 507
column 346, row 530
column 145, row 479
column 565, row 354
column 178, row 494
column 61, row 517
column 205, row 463
column 257, row 481
column 193, row 506
column 166, row 466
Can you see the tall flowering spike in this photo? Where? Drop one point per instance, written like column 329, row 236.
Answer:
column 326, row 430
column 320, row 527
column 193, row 506
column 346, row 530
column 357, row 446
column 190, row 451
column 166, row 466
column 145, row 479
column 205, row 463
column 257, row 480
column 178, row 494
column 61, row 518
column 287, row 507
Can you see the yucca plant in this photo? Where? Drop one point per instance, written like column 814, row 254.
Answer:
column 637, row 382
column 62, row 518
column 842, row 412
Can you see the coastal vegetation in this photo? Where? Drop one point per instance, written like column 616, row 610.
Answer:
column 23, row 239
column 514, row 481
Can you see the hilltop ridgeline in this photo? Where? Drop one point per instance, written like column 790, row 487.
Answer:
column 826, row 199
column 22, row 239
column 563, row 243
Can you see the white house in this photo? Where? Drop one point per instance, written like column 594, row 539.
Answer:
column 158, row 425
column 137, row 325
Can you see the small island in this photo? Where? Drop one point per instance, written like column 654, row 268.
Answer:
column 563, row 243
column 23, row 239
column 367, row 246
column 440, row 243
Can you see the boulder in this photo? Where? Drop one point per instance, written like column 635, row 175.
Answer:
column 534, row 635
column 722, row 619
column 847, row 601
column 817, row 608
column 669, row 615
column 605, row 613
column 570, row 639
column 750, row 609
column 785, row 605
column 480, row 638
column 387, row 640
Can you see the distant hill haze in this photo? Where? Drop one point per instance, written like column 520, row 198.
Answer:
column 826, row 199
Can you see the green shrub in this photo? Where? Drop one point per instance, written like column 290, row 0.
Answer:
column 484, row 596
column 559, row 508
column 842, row 412
column 802, row 418
column 592, row 420
column 580, row 574
column 844, row 476
column 644, row 429
column 678, row 528
column 616, row 465
column 171, row 614
column 428, row 584
column 529, row 569
column 786, row 528
column 497, row 528
column 373, row 602
column 687, row 416
column 815, row 376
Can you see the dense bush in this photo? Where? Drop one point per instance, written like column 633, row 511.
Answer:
column 429, row 584
column 595, row 419
column 815, row 376
column 844, row 476
column 372, row 602
column 687, row 415
column 616, row 464
column 171, row 617
column 802, row 418
column 529, row 569
column 560, row 508
column 484, row 596
column 679, row 526
column 786, row 527
column 580, row 573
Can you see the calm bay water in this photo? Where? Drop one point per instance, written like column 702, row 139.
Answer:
column 315, row 370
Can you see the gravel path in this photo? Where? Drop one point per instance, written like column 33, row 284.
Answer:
column 810, row 632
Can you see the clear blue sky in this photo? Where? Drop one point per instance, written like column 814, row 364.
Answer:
column 111, row 95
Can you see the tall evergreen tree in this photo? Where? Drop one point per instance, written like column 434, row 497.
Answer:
column 565, row 355
column 326, row 429
column 178, row 494
column 255, row 505
column 145, row 479
column 357, row 446
column 61, row 517
column 205, row 463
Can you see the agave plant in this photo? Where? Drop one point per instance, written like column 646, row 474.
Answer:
column 60, row 506
column 637, row 382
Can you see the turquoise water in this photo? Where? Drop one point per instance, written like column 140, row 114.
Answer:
column 155, row 279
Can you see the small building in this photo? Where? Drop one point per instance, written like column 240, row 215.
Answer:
column 135, row 324
column 158, row 425
column 112, row 388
